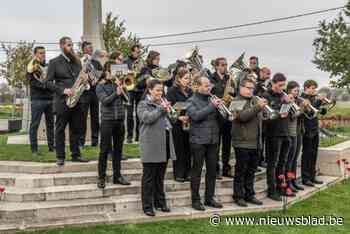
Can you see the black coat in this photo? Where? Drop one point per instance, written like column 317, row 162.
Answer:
column 277, row 127
column 62, row 74
column 218, row 84
column 204, row 125
column 38, row 90
column 175, row 95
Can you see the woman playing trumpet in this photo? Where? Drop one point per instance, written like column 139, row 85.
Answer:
column 177, row 96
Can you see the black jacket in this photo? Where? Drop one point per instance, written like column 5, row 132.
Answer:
column 175, row 95
column 277, row 127
column 218, row 84
column 130, row 61
column 112, row 107
column 61, row 75
column 311, row 125
column 38, row 90
column 204, row 125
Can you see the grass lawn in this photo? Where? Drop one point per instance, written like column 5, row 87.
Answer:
column 22, row 152
column 344, row 131
column 342, row 108
column 330, row 202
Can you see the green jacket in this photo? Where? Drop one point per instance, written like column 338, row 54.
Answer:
column 246, row 124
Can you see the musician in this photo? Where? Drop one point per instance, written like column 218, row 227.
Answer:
column 311, row 135
column 156, row 146
column 135, row 95
column 152, row 62
column 260, row 89
column 254, row 66
column 89, row 97
column 204, row 142
column 245, row 128
column 177, row 94
column 63, row 71
column 41, row 101
column 219, row 80
column 296, row 130
column 277, row 140
column 112, row 127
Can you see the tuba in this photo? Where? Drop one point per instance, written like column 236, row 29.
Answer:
column 239, row 68
column 161, row 74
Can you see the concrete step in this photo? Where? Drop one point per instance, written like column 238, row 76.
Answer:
column 70, row 167
column 44, row 215
column 90, row 190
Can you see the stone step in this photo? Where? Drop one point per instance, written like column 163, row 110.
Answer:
column 85, row 191
column 70, row 167
column 126, row 209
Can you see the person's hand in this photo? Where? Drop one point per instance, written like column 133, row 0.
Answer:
column 262, row 103
column 68, row 92
column 284, row 115
column 117, row 82
column 306, row 103
column 291, row 97
column 84, row 76
column 216, row 102
column 119, row 90
column 183, row 119
column 286, row 99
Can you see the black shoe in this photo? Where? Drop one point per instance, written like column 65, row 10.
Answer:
column 150, row 213
column 80, row 159
column 101, row 183
column 263, row 164
column 129, row 140
column 60, row 162
column 275, row 197
column 291, row 186
column 198, row 206
column 255, row 201
column 308, row 183
column 315, row 181
column 137, row 139
column 178, row 179
column 188, row 179
column 164, row 208
column 95, row 144
column 258, row 170
column 213, row 203
column 241, row 202
column 121, row 180
column 218, row 176
column 52, row 149
column 36, row 154
column 297, row 186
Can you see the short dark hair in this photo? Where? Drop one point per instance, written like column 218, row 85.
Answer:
column 133, row 47
column 64, row 39
column 309, row 83
column 151, row 56
column 151, row 83
column 37, row 48
column 218, row 60
column 292, row 85
column 85, row 44
column 278, row 77
column 114, row 55
column 246, row 80
column 254, row 57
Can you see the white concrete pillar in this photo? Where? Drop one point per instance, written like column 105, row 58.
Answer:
column 93, row 22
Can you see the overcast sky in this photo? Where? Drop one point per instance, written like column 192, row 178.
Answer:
column 47, row 21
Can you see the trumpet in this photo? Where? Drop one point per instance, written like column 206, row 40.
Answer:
column 314, row 111
column 172, row 113
column 223, row 110
column 268, row 112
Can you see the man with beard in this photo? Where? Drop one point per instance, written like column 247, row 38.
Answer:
column 63, row 71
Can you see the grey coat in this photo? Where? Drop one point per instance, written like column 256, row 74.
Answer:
column 204, row 125
column 153, row 125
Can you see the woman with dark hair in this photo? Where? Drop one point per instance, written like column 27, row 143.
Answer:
column 178, row 95
column 296, row 131
column 156, row 146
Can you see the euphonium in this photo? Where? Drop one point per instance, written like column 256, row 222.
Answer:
column 161, row 74
column 241, row 67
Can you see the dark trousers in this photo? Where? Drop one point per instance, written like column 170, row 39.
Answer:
column 262, row 149
column 247, row 161
column 90, row 103
column 38, row 108
column 201, row 153
column 309, row 157
column 182, row 164
column 225, row 141
column 135, row 98
column 112, row 133
column 152, row 185
column 277, row 152
column 293, row 155
column 72, row 117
